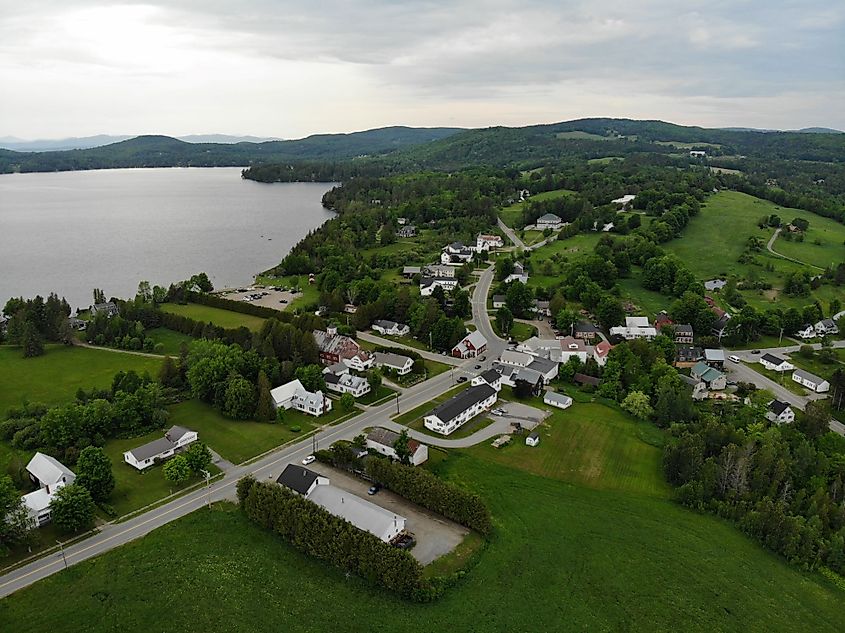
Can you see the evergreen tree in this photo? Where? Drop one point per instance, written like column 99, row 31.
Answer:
column 168, row 375
column 264, row 410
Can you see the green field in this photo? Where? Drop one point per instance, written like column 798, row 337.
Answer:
column 55, row 377
column 512, row 215
column 465, row 430
column 784, row 379
column 712, row 242
column 604, row 160
column 240, row 440
column 417, row 413
column 584, row 136
column 376, row 395
column 218, row 316
column 169, row 339
column 564, row 558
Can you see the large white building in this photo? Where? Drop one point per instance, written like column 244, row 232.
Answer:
column 810, row 381
column 775, row 363
column 429, row 284
column 347, row 383
column 293, row 395
column 391, row 328
column 50, row 475
column 488, row 242
column 456, row 254
column 635, row 327
column 461, row 408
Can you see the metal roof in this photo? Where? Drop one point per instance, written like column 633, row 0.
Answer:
column 456, row 405
column 297, row 478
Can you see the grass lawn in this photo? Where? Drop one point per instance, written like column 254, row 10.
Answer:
column 784, row 379
column 765, row 341
column 240, row 440
column 522, row 331
column 604, row 160
column 134, row 489
column 169, row 339
column 404, row 340
column 218, row 316
column 418, row 412
column 649, row 301
column 465, row 430
column 55, row 377
column 559, row 250
column 816, row 366
column 376, row 395
column 564, row 558
column 584, row 136
column 512, row 215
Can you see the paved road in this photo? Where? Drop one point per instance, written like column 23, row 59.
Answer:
column 372, row 338
column 782, row 256
column 513, row 237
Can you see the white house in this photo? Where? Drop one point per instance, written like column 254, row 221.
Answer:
column 810, row 381
column 461, row 408
column 601, row 351
column 775, row 363
column 571, row 346
column 518, row 274
column 361, row 513
column 545, row 368
column 699, row 387
column 487, row 242
column 697, row 153
column 470, row 346
column 490, row 377
column 439, row 270
column 806, row 331
column 515, row 358
column 624, row 202
column 109, row 309
column 455, row 254
column 428, row 284
column 294, row 395
column 400, row 364
column 174, row 440
column 826, row 327
column 383, row 440
column 533, row 439
column 779, row 412
column 548, row 221
column 635, row 327
column 391, row 327
column 499, row 301
column 511, row 374
column 558, row 400
column 300, row 479
column 347, row 383
column 50, row 475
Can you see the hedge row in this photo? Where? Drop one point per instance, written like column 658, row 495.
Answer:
column 197, row 329
column 244, row 307
column 428, row 490
column 319, row 533
column 401, row 351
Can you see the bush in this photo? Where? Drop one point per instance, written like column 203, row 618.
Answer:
column 428, row 490
column 296, row 428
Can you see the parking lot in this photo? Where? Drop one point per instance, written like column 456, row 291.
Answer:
column 515, row 412
column 435, row 535
column 266, row 296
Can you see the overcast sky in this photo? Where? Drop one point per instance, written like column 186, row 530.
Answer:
column 289, row 69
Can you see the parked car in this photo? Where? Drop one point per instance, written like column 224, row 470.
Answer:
column 733, row 358
column 755, row 351
column 462, row 379
column 308, row 460
column 374, row 489
column 478, row 366
column 498, row 412
column 404, row 541
column 483, row 358
column 283, row 300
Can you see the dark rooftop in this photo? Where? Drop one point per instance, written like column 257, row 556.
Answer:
column 453, row 407
column 297, row 478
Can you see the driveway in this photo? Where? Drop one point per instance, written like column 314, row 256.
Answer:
column 436, row 535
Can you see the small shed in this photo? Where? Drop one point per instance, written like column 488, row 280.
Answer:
column 533, row 439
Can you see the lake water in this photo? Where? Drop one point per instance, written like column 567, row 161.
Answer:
column 71, row 232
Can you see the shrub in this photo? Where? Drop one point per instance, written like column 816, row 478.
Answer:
column 296, row 428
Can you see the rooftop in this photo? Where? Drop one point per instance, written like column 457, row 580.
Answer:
column 456, row 405
column 359, row 512
column 297, row 478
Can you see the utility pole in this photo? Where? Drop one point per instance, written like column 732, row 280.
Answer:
column 62, row 549
column 780, row 338
column 207, row 488
column 397, row 402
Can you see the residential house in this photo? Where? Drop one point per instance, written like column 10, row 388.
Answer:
column 635, row 327
column 487, row 242
column 683, row 333
column 600, row 352
column 400, row 364
column 50, row 475
column 516, row 358
column 533, row 439
column 662, row 320
column 806, row 331
column 721, row 323
column 109, row 308
column 779, row 412
column 585, row 330
column 461, row 408
column 410, row 271
column 826, row 327
column 335, row 348
column 363, row 514
column 712, row 377
column 73, row 322
column 714, row 357
column 558, row 400
column 428, row 284
column 293, row 395
column 391, row 328
column 558, row 350
column 337, row 369
column 499, row 301
column 470, row 346
column 350, row 308
column 511, row 374
column 687, row 355
column 383, row 441
column 699, row 387
column 401, row 221
column 409, row 230
column 347, row 383
column 695, row 153
column 548, row 221
column 175, row 439
column 300, row 479
column 775, row 363
column 490, row 377
column 715, row 285
column 542, row 308
column 624, row 203
column 456, row 254
column 518, row 274
column 439, row 271
column 810, row 381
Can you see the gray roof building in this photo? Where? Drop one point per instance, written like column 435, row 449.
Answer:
column 297, row 478
column 453, row 407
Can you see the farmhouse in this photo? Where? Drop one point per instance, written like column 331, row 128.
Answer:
column 558, row 400
column 151, row 453
column 428, row 284
column 806, row 331
column 391, row 328
column 490, row 377
column 683, row 333
column 548, row 221
column 585, row 331
column 487, row 242
column 461, row 408
column 347, row 383
column 109, row 309
column 715, row 284
column 696, row 153
column 335, row 348
column 775, row 363
column 635, row 327
column 470, row 346
column 811, row 381
column 455, row 254
column 400, row 364
column 50, row 475
column 779, row 412
column 383, row 440
column 293, row 395
column 533, row 439
column 518, row 274
column 624, row 202
column 541, row 307
column 301, row 480
column 359, row 512
column 826, row 327
column 712, row 377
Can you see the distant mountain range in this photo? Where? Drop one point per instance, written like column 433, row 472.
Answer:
column 803, row 130
column 88, row 142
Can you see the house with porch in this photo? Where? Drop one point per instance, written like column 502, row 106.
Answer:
column 470, row 346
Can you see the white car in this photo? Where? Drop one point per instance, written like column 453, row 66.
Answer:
column 733, row 358
column 308, row 460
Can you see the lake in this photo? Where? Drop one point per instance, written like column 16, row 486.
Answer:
column 70, row 232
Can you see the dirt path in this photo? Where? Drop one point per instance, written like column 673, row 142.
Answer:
column 782, row 256
column 118, row 351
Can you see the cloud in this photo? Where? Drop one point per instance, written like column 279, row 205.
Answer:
column 290, row 68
